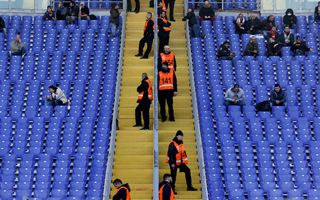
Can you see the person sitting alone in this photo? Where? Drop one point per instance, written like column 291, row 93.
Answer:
column 16, row 47
column 234, row 96
column 278, row 96
column 252, row 48
column 299, row 47
column 57, row 97
column 224, row 52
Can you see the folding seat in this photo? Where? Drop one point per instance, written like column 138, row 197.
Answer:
column 293, row 112
column 6, row 193
column 278, row 111
column 256, row 194
column 314, row 194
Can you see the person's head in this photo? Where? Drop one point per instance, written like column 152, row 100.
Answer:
column 271, row 18
column 287, row 29
column 289, row 12
column 252, row 17
column 113, row 5
column 164, row 66
column 117, row 183
column 179, row 135
column 236, row 88
column 159, row 5
column 190, row 10
column 166, row 49
column 18, row 37
column 277, row 87
column 144, row 75
column 226, row 44
column 207, row 4
column 60, row 4
column 273, row 28
column 52, row 89
column 149, row 15
column 253, row 39
column 167, row 177
column 71, row 4
column 163, row 14
column 49, row 9
column 240, row 16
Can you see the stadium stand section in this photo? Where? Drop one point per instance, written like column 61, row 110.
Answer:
column 263, row 155
column 56, row 153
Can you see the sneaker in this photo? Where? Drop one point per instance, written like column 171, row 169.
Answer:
column 137, row 125
column 192, row 189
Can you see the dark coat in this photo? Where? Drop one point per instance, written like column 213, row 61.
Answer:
column 2, row 24
column 206, row 11
column 289, row 20
column 192, row 19
column 280, row 96
column 255, row 24
column 172, row 151
column 143, row 87
column 166, row 192
column 300, row 48
column 122, row 194
column 268, row 24
column 61, row 13
column 161, row 25
column 282, row 40
column 114, row 16
column 224, row 52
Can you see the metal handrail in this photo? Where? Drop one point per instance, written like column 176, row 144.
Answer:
column 108, row 175
column 196, row 116
column 155, row 107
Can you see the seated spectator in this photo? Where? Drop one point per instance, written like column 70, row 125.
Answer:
column 240, row 24
column 253, row 25
column 114, row 19
column 84, row 12
column 193, row 23
column 2, row 26
column 72, row 12
column 224, row 52
column 269, row 23
column 234, row 96
column 289, row 19
column 61, row 12
column 317, row 13
column 57, row 97
column 278, row 96
column 49, row 14
column 273, row 45
column 17, row 47
column 299, row 47
column 207, row 12
column 252, row 48
column 286, row 38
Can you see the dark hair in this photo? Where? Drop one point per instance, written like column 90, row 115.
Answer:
column 53, row 87
column 277, row 85
column 165, row 176
column 236, row 85
column 116, row 181
column 113, row 5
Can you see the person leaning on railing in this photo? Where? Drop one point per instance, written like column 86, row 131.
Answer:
column 207, row 12
column 193, row 23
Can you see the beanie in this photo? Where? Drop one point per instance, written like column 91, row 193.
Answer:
column 179, row 132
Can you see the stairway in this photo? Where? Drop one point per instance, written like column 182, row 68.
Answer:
column 183, row 112
column 133, row 160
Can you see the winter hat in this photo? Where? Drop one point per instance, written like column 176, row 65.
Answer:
column 179, row 132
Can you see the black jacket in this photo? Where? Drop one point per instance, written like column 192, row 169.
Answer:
column 300, row 49
column 161, row 25
column 255, row 24
column 73, row 11
column 172, row 151
column 61, row 13
column 206, row 11
column 224, row 52
column 316, row 14
column 143, row 87
column 192, row 19
column 289, row 20
column 280, row 96
column 149, row 30
column 122, row 194
column 166, row 192
column 2, row 24
column 85, row 11
column 114, row 16
column 175, row 85
column 268, row 24
column 282, row 40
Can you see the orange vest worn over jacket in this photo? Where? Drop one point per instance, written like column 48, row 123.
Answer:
column 161, row 193
column 181, row 156
column 166, row 80
column 127, row 192
column 150, row 94
column 146, row 24
column 169, row 58
column 168, row 29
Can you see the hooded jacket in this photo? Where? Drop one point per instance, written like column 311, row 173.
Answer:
column 289, row 20
column 122, row 194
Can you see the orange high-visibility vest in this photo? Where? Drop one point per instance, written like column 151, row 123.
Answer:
column 181, row 156
column 161, row 193
column 164, row 7
column 169, row 58
column 127, row 192
column 166, row 80
column 150, row 94
column 146, row 24
column 168, row 29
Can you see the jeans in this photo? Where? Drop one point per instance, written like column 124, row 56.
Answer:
column 195, row 33
column 113, row 29
column 231, row 103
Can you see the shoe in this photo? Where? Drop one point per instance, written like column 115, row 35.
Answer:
column 144, row 128
column 172, row 120
column 164, row 119
column 192, row 189
column 138, row 55
column 174, row 191
column 173, row 20
column 144, row 57
column 137, row 125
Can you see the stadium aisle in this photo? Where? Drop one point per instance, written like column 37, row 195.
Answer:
column 183, row 112
column 133, row 161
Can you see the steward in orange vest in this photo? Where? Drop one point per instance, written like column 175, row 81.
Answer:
column 123, row 190
column 145, row 97
column 165, row 190
column 169, row 57
column 177, row 158
column 167, row 86
column 147, row 37
column 164, row 31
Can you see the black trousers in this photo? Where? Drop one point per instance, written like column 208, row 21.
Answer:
column 183, row 168
column 129, row 6
column 149, row 41
column 166, row 95
column 137, row 9
column 143, row 107
column 171, row 4
column 163, row 41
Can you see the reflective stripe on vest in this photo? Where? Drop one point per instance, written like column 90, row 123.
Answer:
column 161, row 193
column 166, row 80
column 127, row 192
column 169, row 58
column 150, row 94
column 181, row 156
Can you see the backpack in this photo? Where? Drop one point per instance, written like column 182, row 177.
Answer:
column 264, row 106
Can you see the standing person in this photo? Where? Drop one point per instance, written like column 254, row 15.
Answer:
column 144, row 99
column 317, row 13
column 165, row 190
column 193, row 23
column 17, row 48
column 114, row 19
column 57, row 97
column 49, row 14
column 240, row 24
column 224, row 52
column 167, row 83
column 61, row 12
column 147, row 37
column 278, row 96
column 207, row 12
column 289, row 19
column 84, row 12
column 72, row 12
column 167, row 56
column 170, row 3
column 286, row 38
column 177, row 158
column 122, row 192
column 164, row 31
column 2, row 25
column 252, row 48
